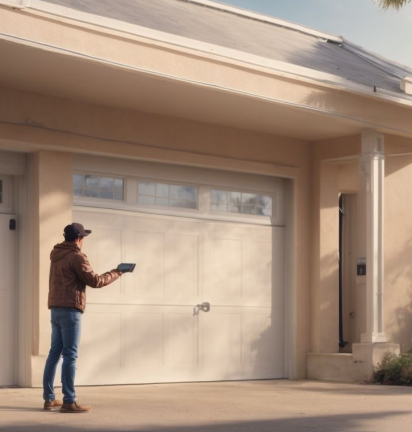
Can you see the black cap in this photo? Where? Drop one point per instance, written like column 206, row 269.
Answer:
column 74, row 231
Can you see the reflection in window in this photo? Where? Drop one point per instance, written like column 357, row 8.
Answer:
column 241, row 202
column 92, row 186
column 167, row 195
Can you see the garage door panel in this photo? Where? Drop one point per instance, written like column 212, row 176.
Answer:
column 143, row 341
column 101, row 333
column 278, row 270
column 182, row 265
column 104, row 250
column 257, row 272
column 225, row 268
column 149, row 254
column 258, row 338
column 221, row 339
column 181, row 340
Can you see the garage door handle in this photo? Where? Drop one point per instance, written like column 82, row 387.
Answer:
column 205, row 307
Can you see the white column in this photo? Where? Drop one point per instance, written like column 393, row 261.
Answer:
column 372, row 173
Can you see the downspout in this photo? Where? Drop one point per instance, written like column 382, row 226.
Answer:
column 342, row 342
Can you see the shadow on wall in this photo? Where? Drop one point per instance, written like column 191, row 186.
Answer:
column 398, row 250
column 334, row 423
column 398, row 296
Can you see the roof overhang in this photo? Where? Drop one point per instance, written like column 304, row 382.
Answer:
column 51, row 73
column 56, row 70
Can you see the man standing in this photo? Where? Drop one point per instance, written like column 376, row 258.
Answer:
column 70, row 272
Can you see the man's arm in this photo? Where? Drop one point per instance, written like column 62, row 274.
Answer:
column 89, row 277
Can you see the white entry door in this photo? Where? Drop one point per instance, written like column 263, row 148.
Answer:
column 7, row 301
column 147, row 326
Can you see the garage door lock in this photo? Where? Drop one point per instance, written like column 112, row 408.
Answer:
column 204, row 307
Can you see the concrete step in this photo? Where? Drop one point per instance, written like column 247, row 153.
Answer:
column 338, row 367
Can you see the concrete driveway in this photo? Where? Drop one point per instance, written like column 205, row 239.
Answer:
column 262, row 406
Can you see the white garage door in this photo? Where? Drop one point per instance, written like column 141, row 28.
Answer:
column 147, row 327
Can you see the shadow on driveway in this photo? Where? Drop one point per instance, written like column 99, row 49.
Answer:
column 334, row 423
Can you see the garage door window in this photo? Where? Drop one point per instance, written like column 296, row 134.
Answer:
column 92, row 186
column 167, row 195
column 241, row 202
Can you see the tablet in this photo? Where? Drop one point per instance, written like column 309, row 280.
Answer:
column 126, row 268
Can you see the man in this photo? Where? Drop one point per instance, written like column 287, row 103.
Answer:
column 70, row 272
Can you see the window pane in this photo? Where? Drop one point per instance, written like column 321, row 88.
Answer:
column 118, row 185
column 219, row 197
column 162, row 202
column 246, row 209
column 146, row 200
column 98, row 187
column 241, row 202
column 91, row 193
column 264, row 206
column 190, row 194
column 91, row 182
column 118, row 195
column 190, row 204
column 177, row 203
column 219, row 207
column 78, row 181
column 162, row 190
column 106, row 184
column 235, row 209
column 106, row 194
column 248, row 199
column 176, row 192
column 235, row 202
column 147, row 188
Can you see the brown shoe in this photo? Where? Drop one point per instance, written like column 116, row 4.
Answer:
column 49, row 405
column 74, row 408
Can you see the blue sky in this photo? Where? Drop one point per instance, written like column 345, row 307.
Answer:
column 388, row 33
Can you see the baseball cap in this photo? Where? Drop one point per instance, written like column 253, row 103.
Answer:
column 75, row 230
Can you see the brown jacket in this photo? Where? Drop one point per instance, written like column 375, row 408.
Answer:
column 70, row 272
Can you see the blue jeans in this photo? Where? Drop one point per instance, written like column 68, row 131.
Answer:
column 66, row 325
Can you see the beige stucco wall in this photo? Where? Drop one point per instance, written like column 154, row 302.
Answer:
column 51, row 188
column 398, row 242
column 86, row 128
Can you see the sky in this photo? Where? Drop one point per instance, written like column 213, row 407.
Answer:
column 363, row 22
